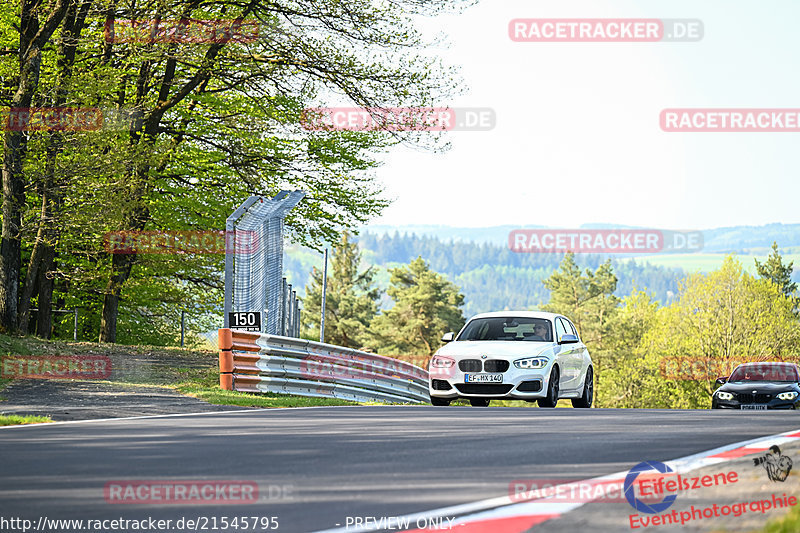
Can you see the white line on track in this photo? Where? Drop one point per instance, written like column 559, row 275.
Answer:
column 505, row 507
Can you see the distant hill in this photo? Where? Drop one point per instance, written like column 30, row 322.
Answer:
column 491, row 277
column 736, row 239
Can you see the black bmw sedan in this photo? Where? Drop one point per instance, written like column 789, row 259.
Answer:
column 759, row 386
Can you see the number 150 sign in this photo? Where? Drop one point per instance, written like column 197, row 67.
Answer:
column 246, row 320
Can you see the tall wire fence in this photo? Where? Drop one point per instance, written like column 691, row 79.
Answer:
column 254, row 281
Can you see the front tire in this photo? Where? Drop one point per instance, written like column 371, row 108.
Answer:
column 479, row 402
column 585, row 401
column 552, row 390
column 440, row 402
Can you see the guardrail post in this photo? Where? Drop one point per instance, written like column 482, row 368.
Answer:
column 225, row 340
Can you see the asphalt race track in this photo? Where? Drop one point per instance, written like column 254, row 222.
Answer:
column 315, row 467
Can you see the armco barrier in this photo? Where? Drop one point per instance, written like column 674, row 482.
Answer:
column 257, row 362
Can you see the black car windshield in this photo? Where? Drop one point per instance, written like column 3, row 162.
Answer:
column 765, row 372
column 508, row 329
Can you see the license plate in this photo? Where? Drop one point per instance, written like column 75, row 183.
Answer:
column 483, row 378
column 752, row 407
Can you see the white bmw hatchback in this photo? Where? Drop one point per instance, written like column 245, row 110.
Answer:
column 521, row 355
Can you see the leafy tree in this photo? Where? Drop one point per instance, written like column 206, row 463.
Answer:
column 628, row 381
column 203, row 125
column 426, row 305
column 350, row 299
column 37, row 24
column 719, row 320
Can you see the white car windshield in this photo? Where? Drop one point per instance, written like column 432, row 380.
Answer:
column 508, row 329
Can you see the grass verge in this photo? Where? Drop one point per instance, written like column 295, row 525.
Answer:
column 189, row 372
column 16, row 420
column 204, row 385
column 789, row 523
column 218, row 396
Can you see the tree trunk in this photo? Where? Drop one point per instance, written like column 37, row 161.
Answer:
column 33, row 269
column 32, row 40
column 121, row 265
column 44, row 325
column 10, row 248
column 49, row 231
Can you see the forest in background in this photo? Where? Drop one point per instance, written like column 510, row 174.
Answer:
column 644, row 354
column 491, row 277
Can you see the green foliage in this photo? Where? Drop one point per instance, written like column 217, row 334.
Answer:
column 491, row 277
column 719, row 319
column 200, row 127
column 587, row 299
column 426, row 305
column 775, row 271
column 350, row 300
column 16, row 420
column 667, row 357
column 788, row 523
column 627, row 379
column 725, row 317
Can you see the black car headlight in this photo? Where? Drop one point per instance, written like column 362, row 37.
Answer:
column 791, row 395
column 531, row 363
column 722, row 395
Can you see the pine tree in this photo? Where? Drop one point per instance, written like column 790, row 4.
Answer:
column 350, row 300
column 585, row 298
column 426, row 305
column 774, row 270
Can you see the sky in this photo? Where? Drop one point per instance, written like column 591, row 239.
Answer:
column 577, row 139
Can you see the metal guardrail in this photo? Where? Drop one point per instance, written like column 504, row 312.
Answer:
column 258, row 362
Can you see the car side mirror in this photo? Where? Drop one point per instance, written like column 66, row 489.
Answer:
column 568, row 339
column 721, row 381
column 448, row 337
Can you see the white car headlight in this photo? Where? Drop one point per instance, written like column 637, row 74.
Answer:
column 787, row 395
column 531, row 362
column 722, row 395
column 442, row 362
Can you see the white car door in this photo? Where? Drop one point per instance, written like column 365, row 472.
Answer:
column 575, row 356
column 566, row 356
column 581, row 357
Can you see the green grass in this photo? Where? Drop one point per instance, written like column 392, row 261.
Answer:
column 789, row 523
column 201, row 383
column 218, row 396
column 204, row 385
column 16, row 420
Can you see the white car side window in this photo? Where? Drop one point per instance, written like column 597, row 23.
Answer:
column 574, row 331
column 560, row 329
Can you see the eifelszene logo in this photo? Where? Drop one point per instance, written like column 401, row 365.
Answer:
column 637, row 503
